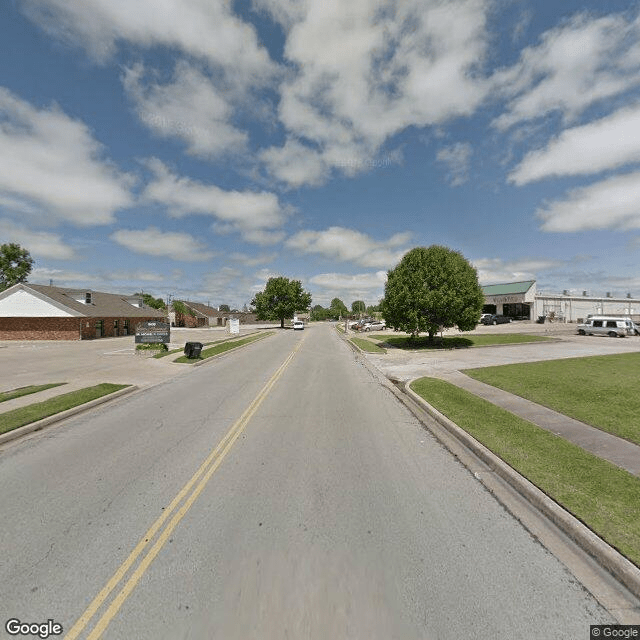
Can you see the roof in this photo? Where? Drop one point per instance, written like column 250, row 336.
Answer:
column 508, row 288
column 101, row 305
column 202, row 309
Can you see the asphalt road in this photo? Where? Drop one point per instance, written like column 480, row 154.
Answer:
column 327, row 512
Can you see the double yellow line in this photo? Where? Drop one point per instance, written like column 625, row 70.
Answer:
column 190, row 491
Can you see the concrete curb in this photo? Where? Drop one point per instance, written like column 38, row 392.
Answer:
column 199, row 363
column 63, row 415
column 610, row 559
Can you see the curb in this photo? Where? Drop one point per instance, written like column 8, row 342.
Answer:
column 613, row 561
column 199, row 363
column 63, row 415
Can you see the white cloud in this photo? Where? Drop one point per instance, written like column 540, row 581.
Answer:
column 613, row 203
column 256, row 215
column 338, row 243
column 577, row 64
column 252, row 261
column 608, row 143
column 39, row 244
column 365, row 70
column 51, row 166
column 205, row 29
column 348, row 287
column 497, row 270
column 153, row 242
column 190, row 108
column 456, row 158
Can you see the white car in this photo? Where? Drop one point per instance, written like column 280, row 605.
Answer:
column 298, row 324
column 376, row 325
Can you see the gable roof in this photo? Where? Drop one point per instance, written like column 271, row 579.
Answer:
column 508, row 288
column 101, row 305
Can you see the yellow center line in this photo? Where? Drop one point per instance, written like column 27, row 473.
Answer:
column 212, row 462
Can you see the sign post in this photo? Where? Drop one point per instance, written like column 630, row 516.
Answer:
column 153, row 332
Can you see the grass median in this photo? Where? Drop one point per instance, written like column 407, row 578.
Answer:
column 459, row 342
column 25, row 391
column 603, row 496
column 599, row 390
column 222, row 347
column 367, row 345
column 11, row 420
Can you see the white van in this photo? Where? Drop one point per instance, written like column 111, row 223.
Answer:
column 606, row 326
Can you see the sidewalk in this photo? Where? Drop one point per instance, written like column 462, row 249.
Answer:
column 616, row 450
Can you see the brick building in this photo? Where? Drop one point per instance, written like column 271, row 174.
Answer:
column 40, row 312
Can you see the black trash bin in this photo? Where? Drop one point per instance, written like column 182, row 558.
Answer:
column 541, row 319
column 192, row 349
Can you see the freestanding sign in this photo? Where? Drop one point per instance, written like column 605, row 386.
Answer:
column 153, row 331
column 234, row 325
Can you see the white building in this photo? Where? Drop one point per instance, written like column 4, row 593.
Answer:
column 522, row 300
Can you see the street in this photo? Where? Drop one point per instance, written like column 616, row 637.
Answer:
column 277, row 492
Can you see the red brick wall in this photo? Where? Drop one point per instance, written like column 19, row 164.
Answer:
column 40, row 328
column 63, row 328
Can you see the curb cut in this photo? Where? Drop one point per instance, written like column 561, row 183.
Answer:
column 63, row 415
column 610, row 559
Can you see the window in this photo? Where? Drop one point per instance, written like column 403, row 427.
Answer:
column 99, row 328
column 115, row 328
column 87, row 297
column 597, row 323
column 612, row 323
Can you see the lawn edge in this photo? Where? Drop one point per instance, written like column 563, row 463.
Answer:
column 62, row 415
column 617, row 564
column 200, row 362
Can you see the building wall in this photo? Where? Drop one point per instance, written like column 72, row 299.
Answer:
column 576, row 308
column 66, row 328
column 22, row 304
column 40, row 328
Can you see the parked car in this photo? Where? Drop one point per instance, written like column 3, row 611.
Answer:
column 606, row 326
column 298, row 325
column 493, row 319
column 483, row 316
column 376, row 325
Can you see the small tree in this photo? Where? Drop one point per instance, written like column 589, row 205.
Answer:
column 224, row 307
column 281, row 299
column 431, row 289
column 15, row 265
column 181, row 310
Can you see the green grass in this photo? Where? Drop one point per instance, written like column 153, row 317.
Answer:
column 460, row 342
column 25, row 391
column 221, row 347
column 605, row 497
column 19, row 417
column 603, row 391
column 367, row 345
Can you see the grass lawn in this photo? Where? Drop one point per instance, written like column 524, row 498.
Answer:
column 367, row 345
column 19, row 417
column 459, row 342
column 603, row 391
column 221, row 347
column 25, row 391
column 605, row 497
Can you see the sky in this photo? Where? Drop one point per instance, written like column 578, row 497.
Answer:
column 195, row 148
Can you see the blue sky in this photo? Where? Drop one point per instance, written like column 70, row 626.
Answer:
column 194, row 148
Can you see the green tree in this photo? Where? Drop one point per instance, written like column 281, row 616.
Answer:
column 431, row 289
column 15, row 265
column 358, row 306
column 150, row 301
column 224, row 307
column 281, row 299
column 338, row 308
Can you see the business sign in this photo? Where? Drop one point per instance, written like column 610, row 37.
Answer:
column 153, row 331
column 234, row 325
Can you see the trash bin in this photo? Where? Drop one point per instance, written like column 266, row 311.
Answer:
column 541, row 319
column 192, row 349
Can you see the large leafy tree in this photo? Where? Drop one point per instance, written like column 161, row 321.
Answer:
column 281, row 299
column 15, row 265
column 431, row 289
column 338, row 308
column 358, row 306
column 150, row 301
